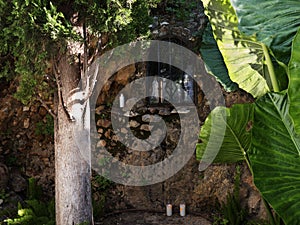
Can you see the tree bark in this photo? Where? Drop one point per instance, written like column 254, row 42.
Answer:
column 72, row 170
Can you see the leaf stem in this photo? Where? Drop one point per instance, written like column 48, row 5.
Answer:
column 270, row 68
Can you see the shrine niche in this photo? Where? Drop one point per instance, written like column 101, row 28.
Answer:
column 174, row 83
column 199, row 190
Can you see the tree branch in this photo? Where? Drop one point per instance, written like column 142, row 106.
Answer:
column 59, row 91
column 85, row 57
column 46, row 107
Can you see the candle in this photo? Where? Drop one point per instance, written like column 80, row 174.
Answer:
column 122, row 100
column 169, row 210
column 182, row 209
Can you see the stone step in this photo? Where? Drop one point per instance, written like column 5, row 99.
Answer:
column 144, row 218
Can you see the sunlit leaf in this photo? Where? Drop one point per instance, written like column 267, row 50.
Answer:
column 243, row 56
column 274, row 156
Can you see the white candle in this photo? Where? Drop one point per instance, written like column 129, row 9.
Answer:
column 122, row 100
column 169, row 210
column 182, row 209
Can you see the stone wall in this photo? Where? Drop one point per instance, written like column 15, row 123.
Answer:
column 26, row 141
column 26, row 147
column 200, row 191
column 187, row 31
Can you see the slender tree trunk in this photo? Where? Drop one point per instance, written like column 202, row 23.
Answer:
column 72, row 170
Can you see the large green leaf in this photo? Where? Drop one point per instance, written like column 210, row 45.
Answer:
column 236, row 138
column 243, row 56
column 214, row 60
column 274, row 22
column 274, row 156
column 294, row 85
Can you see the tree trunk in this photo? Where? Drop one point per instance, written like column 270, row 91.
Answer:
column 72, row 170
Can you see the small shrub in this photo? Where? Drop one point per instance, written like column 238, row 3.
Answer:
column 100, row 185
column 3, row 194
column 232, row 211
column 34, row 211
column 45, row 128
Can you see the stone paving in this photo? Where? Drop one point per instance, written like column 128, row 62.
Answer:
column 145, row 218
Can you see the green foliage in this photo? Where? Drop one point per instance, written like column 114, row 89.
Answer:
column 3, row 195
column 34, row 191
column 237, row 136
column 84, row 223
column 218, row 220
column 35, row 213
column 45, row 128
column 38, row 212
column 274, row 23
column 294, row 85
column 101, row 183
column 214, row 60
column 55, row 23
column 36, row 31
column 243, row 55
column 100, row 186
column 274, row 156
column 232, row 213
column 11, row 160
column 273, row 152
column 123, row 20
column 28, row 32
column 181, row 9
column 232, row 210
column 34, row 210
column 98, row 206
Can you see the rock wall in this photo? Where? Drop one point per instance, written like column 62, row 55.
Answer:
column 200, row 191
column 26, row 143
column 28, row 152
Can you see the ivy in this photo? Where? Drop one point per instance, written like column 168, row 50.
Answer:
column 56, row 24
column 34, row 30
column 29, row 29
column 181, row 9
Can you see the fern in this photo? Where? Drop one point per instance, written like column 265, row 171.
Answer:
column 232, row 209
column 34, row 211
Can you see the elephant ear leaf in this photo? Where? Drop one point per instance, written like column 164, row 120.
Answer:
column 294, row 85
column 243, row 55
column 235, row 138
column 275, row 23
column 274, row 156
column 214, row 61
